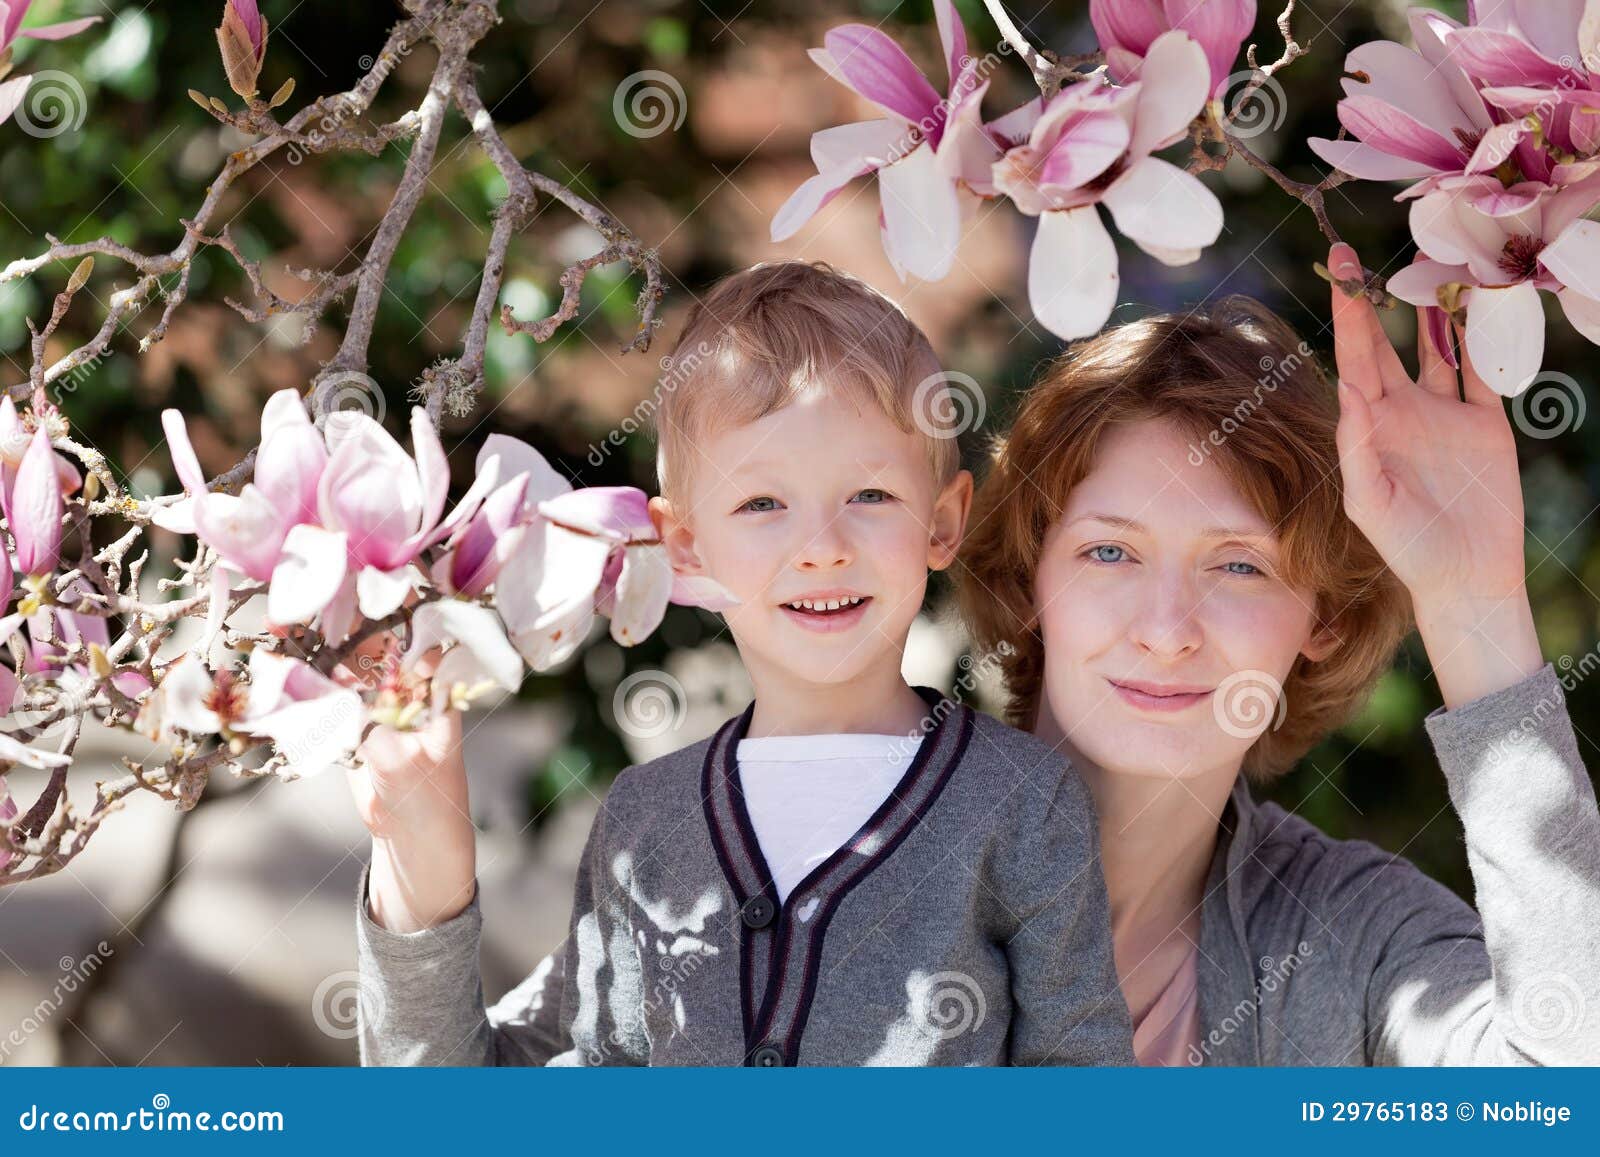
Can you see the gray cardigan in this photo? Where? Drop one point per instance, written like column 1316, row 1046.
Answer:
column 1316, row 951
column 965, row 923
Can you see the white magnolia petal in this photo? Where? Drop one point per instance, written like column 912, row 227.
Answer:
column 1072, row 272
column 476, row 633
column 13, row 752
column 1173, row 87
column 185, row 688
column 1574, row 257
column 314, row 734
column 643, row 590
column 1158, row 204
column 1505, row 336
column 1583, row 313
column 922, row 214
column 380, row 592
column 308, row 575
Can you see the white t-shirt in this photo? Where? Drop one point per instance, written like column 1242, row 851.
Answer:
column 808, row 794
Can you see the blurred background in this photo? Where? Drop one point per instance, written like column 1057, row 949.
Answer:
column 225, row 935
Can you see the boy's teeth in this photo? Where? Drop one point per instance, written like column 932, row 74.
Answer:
column 824, row 604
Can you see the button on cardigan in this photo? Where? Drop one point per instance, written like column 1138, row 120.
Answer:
column 966, row 922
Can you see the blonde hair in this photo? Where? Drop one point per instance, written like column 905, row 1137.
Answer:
column 766, row 336
column 1249, row 393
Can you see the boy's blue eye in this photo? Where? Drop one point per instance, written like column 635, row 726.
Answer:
column 873, row 496
column 1092, row 552
column 760, row 505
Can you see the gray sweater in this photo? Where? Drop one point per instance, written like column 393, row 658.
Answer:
column 1314, row 951
column 965, row 923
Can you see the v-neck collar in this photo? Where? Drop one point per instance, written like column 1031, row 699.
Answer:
column 781, row 943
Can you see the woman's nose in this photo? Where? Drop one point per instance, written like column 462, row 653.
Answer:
column 1167, row 622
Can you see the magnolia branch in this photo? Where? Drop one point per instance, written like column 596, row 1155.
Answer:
column 104, row 585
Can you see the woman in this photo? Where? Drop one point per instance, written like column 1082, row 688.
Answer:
column 1201, row 563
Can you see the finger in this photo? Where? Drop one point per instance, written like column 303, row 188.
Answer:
column 1473, row 388
column 1365, row 491
column 1364, row 355
column 1434, row 373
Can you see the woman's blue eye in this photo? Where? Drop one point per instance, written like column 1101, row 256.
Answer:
column 873, row 496
column 1093, row 549
column 1253, row 569
column 755, row 505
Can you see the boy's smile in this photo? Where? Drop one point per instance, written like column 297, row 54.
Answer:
column 828, row 610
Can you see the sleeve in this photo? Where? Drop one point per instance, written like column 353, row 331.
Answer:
column 602, row 998
column 1067, row 1004
column 421, row 997
column 1518, row 981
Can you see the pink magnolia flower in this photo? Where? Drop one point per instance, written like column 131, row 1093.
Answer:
column 1127, row 29
column 592, row 551
column 478, row 656
column 12, row 14
column 1452, row 109
column 242, row 38
column 310, row 719
column 1495, row 266
column 910, row 149
column 477, row 551
column 34, row 508
column 1092, row 145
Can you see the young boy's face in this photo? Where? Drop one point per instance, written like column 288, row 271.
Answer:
column 825, row 503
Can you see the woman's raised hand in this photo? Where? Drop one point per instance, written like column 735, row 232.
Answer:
column 1430, row 477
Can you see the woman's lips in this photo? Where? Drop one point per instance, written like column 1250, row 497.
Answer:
column 828, row 622
column 1145, row 701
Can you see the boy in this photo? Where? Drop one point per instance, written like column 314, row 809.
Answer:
column 851, row 871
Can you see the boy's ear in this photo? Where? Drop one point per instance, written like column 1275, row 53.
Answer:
column 950, row 520
column 676, row 536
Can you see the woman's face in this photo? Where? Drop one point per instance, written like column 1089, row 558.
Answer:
column 1167, row 629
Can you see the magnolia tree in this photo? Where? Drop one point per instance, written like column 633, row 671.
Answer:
column 344, row 540
column 339, row 536
column 1494, row 125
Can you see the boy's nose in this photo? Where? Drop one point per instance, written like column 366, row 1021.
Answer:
column 824, row 549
